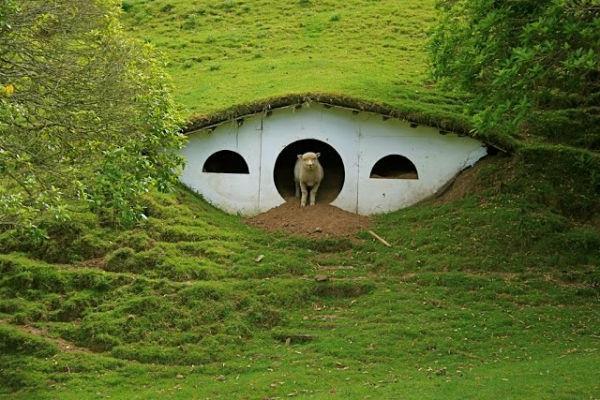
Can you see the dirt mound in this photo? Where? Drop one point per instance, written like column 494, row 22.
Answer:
column 320, row 220
column 468, row 181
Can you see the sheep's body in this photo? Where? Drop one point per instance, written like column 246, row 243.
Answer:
column 308, row 172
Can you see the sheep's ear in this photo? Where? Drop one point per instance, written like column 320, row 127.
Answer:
column 299, row 156
column 318, row 155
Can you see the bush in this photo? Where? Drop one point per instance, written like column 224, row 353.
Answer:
column 516, row 57
column 89, row 143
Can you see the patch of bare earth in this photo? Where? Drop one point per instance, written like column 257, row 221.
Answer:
column 320, row 220
column 468, row 181
column 98, row 262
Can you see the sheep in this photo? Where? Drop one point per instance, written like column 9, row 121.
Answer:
column 308, row 172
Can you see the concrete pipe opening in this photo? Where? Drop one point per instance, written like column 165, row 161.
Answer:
column 332, row 163
column 226, row 162
column 394, row 166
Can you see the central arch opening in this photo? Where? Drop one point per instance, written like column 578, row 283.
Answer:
column 332, row 163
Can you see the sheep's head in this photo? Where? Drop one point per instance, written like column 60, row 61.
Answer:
column 309, row 160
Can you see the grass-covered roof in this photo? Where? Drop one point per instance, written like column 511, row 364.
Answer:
column 225, row 53
column 445, row 121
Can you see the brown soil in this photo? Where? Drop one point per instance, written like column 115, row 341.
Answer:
column 320, row 220
column 99, row 262
column 468, row 181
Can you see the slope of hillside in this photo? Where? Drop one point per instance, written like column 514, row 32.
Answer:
column 225, row 53
column 488, row 292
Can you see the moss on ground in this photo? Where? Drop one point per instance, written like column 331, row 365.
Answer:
column 490, row 292
column 478, row 287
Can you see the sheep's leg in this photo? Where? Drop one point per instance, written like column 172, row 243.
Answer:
column 304, row 191
column 313, row 193
column 297, row 186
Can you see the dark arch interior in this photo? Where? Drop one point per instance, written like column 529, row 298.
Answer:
column 394, row 166
column 226, row 162
column 332, row 163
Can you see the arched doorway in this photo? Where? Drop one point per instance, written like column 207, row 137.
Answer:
column 330, row 159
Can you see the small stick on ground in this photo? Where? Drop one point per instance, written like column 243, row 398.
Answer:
column 335, row 267
column 382, row 240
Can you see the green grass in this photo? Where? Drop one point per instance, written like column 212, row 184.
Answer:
column 225, row 53
column 491, row 295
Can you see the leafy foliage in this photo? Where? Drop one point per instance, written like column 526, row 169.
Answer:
column 85, row 114
column 522, row 59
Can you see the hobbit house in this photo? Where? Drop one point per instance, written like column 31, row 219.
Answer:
column 373, row 163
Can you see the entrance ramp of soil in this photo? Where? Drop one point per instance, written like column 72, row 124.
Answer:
column 320, row 220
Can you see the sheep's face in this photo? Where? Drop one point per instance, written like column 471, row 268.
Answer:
column 309, row 160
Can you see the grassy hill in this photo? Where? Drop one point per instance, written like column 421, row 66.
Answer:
column 225, row 53
column 488, row 292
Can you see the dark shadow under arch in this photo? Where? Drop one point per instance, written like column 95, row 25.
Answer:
column 332, row 163
column 226, row 162
column 394, row 166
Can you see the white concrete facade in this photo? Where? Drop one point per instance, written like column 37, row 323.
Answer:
column 361, row 139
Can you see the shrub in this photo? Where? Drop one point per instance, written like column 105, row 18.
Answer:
column 516, row 57
column 90, row 143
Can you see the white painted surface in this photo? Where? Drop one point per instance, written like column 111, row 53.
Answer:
column 234, row 193
column 360, row 139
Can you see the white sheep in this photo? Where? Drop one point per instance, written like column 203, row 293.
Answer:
column 308, row 172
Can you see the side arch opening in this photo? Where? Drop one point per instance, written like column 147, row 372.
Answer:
column 226, row 162
column 394, row 166
column 333, row 168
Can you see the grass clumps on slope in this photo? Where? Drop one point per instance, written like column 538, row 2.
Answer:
column 491, row 280
column 489, row 291
column 16, row 348
column 13, row 341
